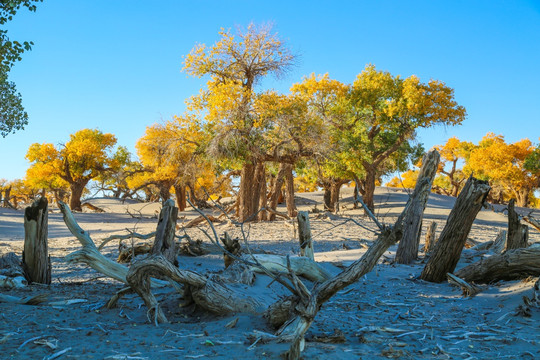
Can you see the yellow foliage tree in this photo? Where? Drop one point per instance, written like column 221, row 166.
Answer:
column 235, row 64
column 84, row 157
column 503, row 165
column 452, row 152
column 407, row 180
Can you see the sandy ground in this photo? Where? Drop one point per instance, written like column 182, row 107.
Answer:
column 389, row 313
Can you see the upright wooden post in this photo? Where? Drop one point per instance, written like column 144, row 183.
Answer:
column 447, row 251
column 430, row 237
column 518, row 233
column 35, row 257
column 304, row 234
column 407, row 250
column 164, row 243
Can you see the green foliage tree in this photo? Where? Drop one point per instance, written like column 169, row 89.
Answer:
column 384, row 113
column 12, row 114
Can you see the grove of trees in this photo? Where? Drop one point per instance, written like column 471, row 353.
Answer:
column 321, row 135
column 512, row 170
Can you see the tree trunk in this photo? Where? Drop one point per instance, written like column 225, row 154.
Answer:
column 7, row 195
column 263, row 202
column 327, row 197
column 407, row 250
column 304, row 235
column 246, row 207
column 510, row 265
column 523, row 198
column 77, row 189
column 369, row 188
column 164, row 191
column 447, row 251
column 334, row 193
column 276, row 191
column 289, row 187
column 164, row 243
column 518, row 233
column 35, row 256
column 180, row 191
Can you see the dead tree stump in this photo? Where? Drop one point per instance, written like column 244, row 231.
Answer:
column 164, row 243
column 518, row 233
column 431, row 240
column 304, row 235
column 407, row 250
column 447, row 251
column 35, row 257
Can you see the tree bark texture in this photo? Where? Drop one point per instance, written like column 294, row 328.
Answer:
column 35, row 256
column 304, row 235
column 77, row 189
column 180, row 191
column 276, row 190
column 407, row 250
column 164, row 243
column 447, row 251
column 263, row 201
column 518, row 233
column 510, row 265
column 289, row 188
column 369, row 188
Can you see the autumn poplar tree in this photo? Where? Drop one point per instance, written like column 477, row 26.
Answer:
column 506, row 166
column 235, row 65
column 84, row 157
column 385, row 112
column 452, row 152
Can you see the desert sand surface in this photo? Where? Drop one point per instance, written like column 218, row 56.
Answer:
column 389, row 313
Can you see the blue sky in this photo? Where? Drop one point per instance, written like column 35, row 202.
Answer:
column 116, row 65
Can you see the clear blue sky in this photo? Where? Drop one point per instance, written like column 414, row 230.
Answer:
column 116, row 65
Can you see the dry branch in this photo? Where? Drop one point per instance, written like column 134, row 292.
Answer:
column 201, row 219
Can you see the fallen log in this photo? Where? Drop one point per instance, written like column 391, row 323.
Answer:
column 532, row 221
column 90, row 255
column 200, row 219
column 300, row 265
column 510, row 265
column 92, row 207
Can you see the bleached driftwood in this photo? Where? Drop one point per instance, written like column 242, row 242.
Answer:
column 511, row 265
column 200, row 219
column 468, row 289
column 92, row 207
column 90, row 255
column 532, row 221
column 300, row 265
column 131, row 235
column 164, row 243
column 214, row 296
column 499, row 244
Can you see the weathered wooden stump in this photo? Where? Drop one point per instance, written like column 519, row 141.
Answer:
column 164, row 243
column 304, row 235
column 431, row 240
column 407, row 250
column 447, row 251
column 518, row 233
column 35, row 257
